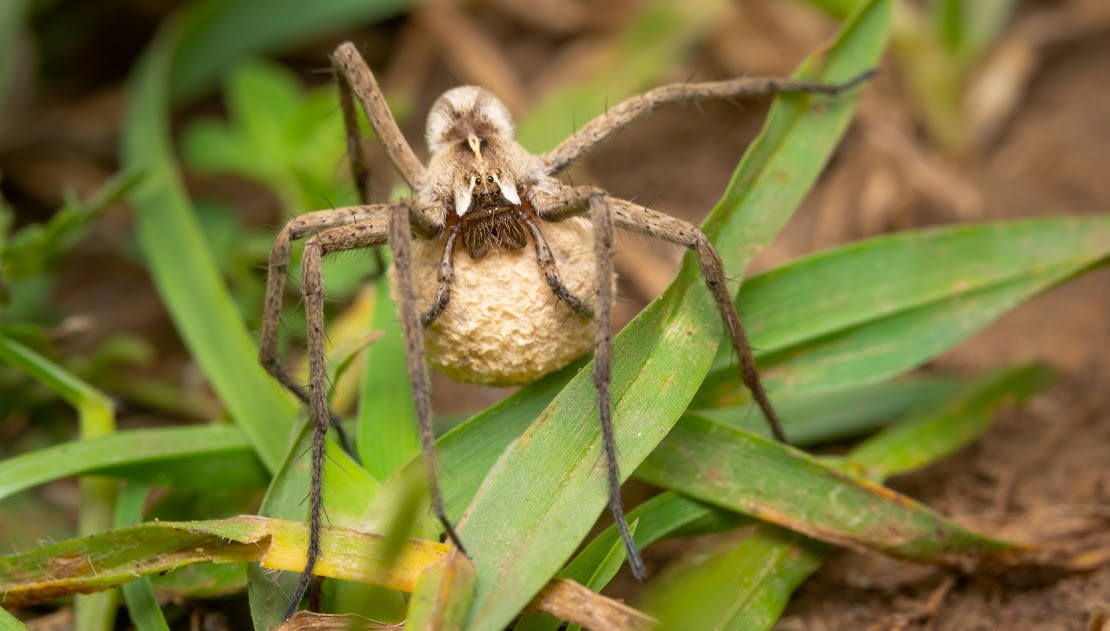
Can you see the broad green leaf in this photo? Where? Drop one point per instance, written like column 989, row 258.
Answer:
column 660, row 357
column 183, row 270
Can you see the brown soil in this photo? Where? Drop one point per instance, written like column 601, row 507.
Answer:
column 1040, row 470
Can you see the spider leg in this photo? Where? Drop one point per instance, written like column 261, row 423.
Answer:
column 625, row 113
column 368, row 233
column 602, row 219
column 446, row 275
column 356, row 154
column 299, row 228
column 572, row 201
column 636, row 218
column 356, row 79
column 547, row 264
column 400, row 241
column 305, row 225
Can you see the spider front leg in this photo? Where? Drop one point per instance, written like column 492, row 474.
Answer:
column 625, row 113
column 357, row 82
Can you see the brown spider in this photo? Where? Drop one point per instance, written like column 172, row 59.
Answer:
column 484, row 190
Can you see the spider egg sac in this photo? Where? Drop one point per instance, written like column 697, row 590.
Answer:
column 504, row 326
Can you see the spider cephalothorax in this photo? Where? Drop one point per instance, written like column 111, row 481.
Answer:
column 503, row 325
column 506, row 304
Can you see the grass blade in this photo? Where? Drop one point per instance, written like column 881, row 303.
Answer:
column 102, row 561
column 745, row 587
column 95, row 419
column 8, row 622
column 762, row 572
column 779, row 484
column 387, row 434
column 442, row 595
column 183, row 269
column 190, row 457
column 913, row 295
column 932, row 435
column 661, row 356
column 346, row 490
column 113, row 558
column 138, row 595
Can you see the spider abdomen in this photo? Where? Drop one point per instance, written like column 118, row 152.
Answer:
column 503, row 325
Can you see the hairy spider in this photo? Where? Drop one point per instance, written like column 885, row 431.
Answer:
column 484, row 191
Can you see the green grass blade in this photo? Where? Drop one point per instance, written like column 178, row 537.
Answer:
column 183, row 269
column 95, row 419
column 745, row 587
column 659, row 358
column 347, row 489
column 840, row 414
column 665, row 515
column 138, row 595
column 779, row 484
column 938, row 432
column 442, row 595
column 13, row 18
column 867, row 311
column 468, row 451
column 387, row 434
column 201, row 457
column 8, row 622
column 761, row 573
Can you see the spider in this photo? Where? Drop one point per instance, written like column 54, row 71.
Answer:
column 482, row 190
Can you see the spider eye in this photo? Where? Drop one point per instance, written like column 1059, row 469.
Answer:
column 489, row 178
column 477, row 180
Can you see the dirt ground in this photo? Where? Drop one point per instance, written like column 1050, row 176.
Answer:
column 1042, row 469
